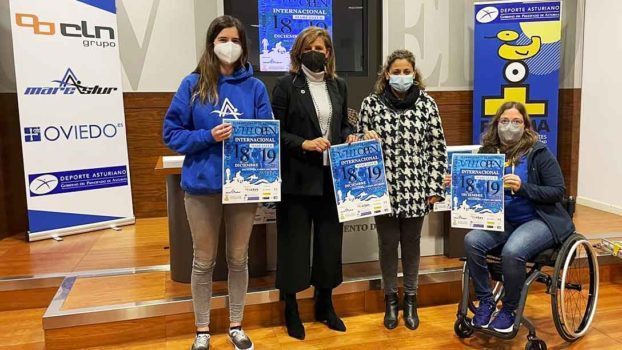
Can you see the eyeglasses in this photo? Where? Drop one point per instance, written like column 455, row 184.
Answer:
column 515, row 122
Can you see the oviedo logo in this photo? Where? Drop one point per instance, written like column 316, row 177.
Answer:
column 55, row 133
column 92, row 36
column 69, row 84
column 43, row 184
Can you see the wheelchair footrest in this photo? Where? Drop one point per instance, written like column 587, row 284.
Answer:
column 492, row 332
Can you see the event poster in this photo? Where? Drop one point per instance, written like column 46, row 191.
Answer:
column 280, row 21
column 477, row 191
column 359, row 180
column 251, row 162
column 517, row 48
column 445, row 205
column 265, row 214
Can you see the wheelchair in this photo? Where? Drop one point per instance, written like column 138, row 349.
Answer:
column 572, row 285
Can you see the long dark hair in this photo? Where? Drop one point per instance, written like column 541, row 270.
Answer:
column 492, row 144
column 209, row 65
column 381, row 80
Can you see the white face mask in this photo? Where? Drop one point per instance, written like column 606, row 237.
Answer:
column 228, row 52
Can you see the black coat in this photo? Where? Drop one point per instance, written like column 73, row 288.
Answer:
column 545, row 189
column 292, row 104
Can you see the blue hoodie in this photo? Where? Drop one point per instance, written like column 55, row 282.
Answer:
column 188, row 124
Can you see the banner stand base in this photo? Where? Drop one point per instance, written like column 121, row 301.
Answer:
column 57, row 234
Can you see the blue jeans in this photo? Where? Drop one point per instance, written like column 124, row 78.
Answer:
column 519, row 245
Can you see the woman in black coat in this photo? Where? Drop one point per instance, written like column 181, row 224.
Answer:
column 311, row 103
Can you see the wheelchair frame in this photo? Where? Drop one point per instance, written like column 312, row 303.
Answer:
column 559, row 258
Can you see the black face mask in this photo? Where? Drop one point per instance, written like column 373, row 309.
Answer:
column 313, row 60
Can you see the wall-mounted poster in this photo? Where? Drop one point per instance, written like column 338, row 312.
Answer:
column 280, row 21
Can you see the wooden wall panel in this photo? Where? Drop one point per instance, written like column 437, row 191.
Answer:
column 12, row 194
column 144, row 115
column 568, row 137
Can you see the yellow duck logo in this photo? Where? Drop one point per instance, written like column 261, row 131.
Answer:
column 515, row 73
column 513, row 52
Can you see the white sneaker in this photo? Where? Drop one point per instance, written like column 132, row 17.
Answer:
column 201, row 342
column 240, row 340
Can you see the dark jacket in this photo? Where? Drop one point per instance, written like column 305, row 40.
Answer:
column 292, row 104
column 545, row 188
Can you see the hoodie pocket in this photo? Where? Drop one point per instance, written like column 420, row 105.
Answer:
column 202, row 173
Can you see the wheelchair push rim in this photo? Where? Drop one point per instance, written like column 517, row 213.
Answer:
column 575, row 288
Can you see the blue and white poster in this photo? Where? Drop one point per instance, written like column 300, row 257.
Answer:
column 265, row 214
column 477, row 191
column 359, row 180
column 252, row 162
column 72, row 120
column 517, row 49
column 445, row 205
column 280, row 21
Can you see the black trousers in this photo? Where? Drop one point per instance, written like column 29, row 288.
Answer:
column 295, row 217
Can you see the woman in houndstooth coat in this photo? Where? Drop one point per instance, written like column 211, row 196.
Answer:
column 407, row 121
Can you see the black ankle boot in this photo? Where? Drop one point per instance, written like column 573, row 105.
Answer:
column 390, row 310
column 411, row 319
column 324, row 310
column 293, row 323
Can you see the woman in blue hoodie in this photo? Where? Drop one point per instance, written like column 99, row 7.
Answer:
column 222, row 86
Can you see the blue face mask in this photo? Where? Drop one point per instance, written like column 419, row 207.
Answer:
column 401, row 83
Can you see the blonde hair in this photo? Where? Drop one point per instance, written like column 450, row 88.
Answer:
column 381, row 80
column 209, row 65
column 305, row 39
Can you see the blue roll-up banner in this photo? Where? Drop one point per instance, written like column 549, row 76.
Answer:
column 280, row 21
column 68, row 75
column 517, row 58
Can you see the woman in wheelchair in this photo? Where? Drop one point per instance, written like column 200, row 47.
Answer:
column 534, row 217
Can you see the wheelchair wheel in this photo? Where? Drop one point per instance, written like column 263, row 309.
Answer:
column 497, row 292
column 536, row 344
column 574, row 292
column 461, row 329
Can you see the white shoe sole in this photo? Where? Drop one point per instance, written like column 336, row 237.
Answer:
column 236, row 348
column 484, row 326
column 506, row 330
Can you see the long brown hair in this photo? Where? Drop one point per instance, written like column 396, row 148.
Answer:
column 491, row 142
column 381, row 80
column 209, row 64
column 306, row 38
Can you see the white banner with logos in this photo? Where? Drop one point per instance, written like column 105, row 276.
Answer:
column 72, row 120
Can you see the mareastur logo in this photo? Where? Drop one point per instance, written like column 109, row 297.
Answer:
column 43, row 184
column 69, row 84
column 100, row 36
column 54, row 133
column 487, row 14
column 227, row 109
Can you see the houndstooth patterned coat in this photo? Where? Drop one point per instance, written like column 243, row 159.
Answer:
column 414, row 150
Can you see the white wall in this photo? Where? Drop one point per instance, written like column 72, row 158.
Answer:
column 160, row 40
column 440, row 34
column 600, row 157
